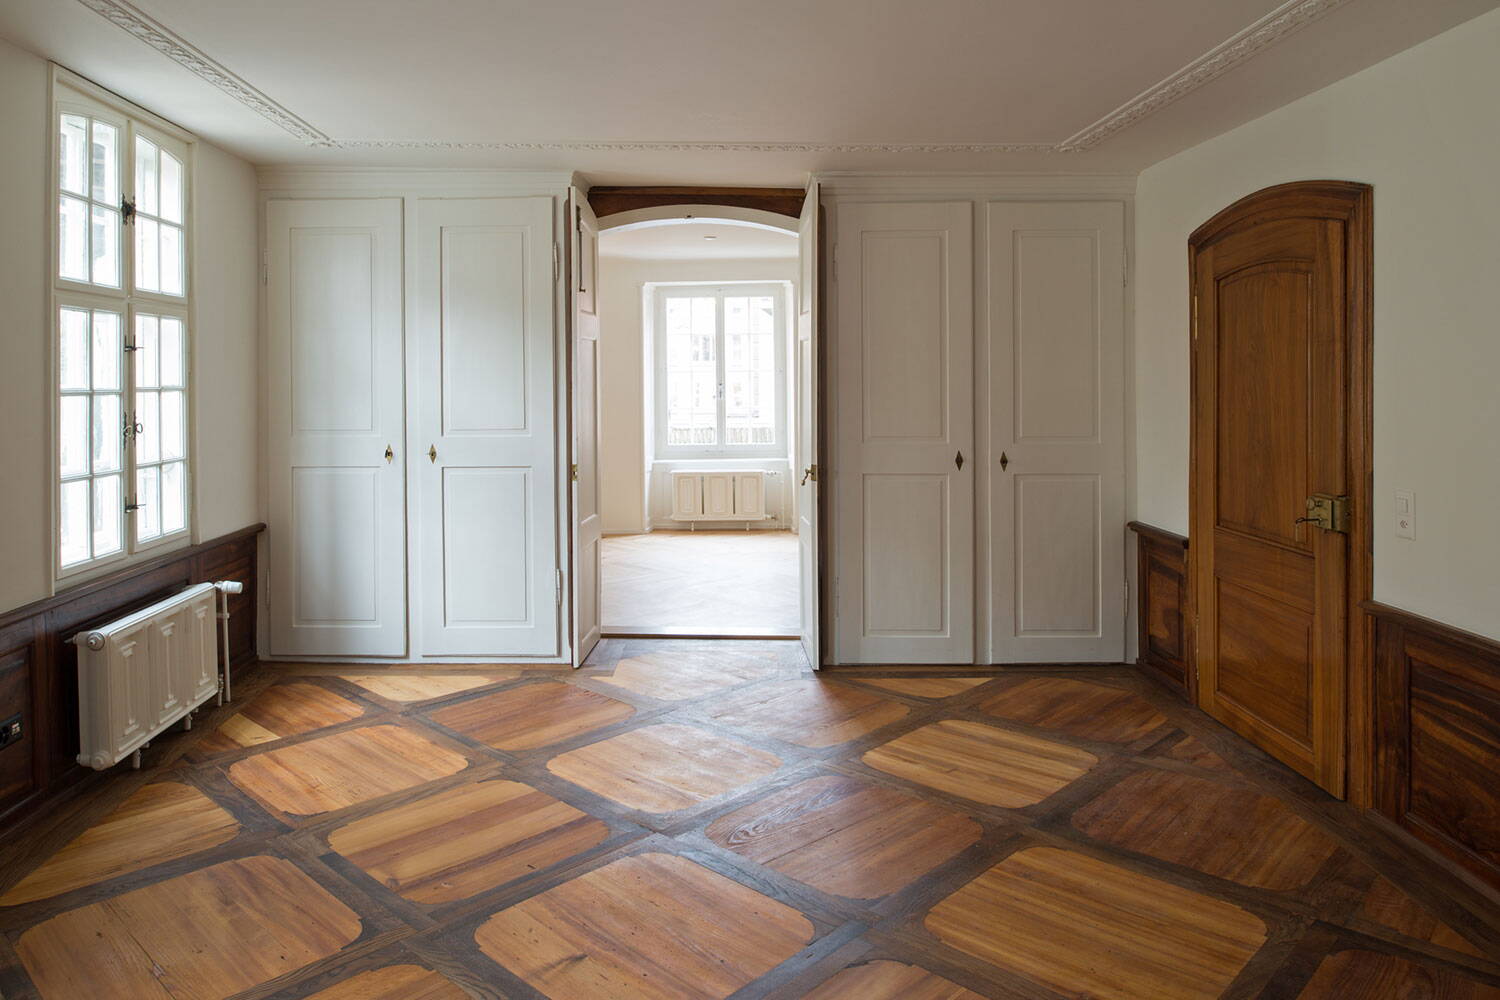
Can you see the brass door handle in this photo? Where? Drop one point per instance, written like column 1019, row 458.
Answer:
column 1004, row 461
column 390, row 454
column 958, row 461
column 811, row 472
column 432, row 453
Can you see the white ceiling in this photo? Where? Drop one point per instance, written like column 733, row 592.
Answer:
column 681, row 91
column 686, row 241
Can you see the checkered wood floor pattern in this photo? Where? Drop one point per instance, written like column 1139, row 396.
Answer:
column 687, row 819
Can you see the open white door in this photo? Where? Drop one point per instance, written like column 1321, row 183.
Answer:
column 583, row 352
column 807, row 425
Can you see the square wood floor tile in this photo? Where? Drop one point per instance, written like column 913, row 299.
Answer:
column 464, row 840
column 887, row 980
column 425, row 687
column 846, row 836
column 983, row 763
column 690, row 673
column 282, row 710
column 532, row 715
column 1083, row 927
column 1191, row 751
column 394, row 982
column 208, row 934
column 1228, row 831
column 926, row 687
column 343, row 769
column 1388, row 906
column 664, row 768
column 157, row 823
column 811, row 713
column 1078, row 708
column 1369, row 975
column 647, row 927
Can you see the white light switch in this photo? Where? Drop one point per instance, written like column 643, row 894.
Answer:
column 1406, row 514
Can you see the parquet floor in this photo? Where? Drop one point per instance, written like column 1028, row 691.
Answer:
column 700, row 583
column 692, row 819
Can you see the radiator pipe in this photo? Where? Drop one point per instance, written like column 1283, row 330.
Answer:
column 225, row 588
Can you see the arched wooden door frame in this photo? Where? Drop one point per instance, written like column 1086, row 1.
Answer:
column 1352, row 205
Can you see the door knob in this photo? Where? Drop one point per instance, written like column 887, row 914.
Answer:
column 432, row 454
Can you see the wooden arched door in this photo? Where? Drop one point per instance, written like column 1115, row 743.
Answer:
column 1280, row 469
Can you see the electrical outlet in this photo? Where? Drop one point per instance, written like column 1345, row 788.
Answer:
column 1406, row 514
column 10, row 730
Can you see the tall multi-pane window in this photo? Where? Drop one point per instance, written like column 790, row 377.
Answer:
column 121, row 310
column 721, row 370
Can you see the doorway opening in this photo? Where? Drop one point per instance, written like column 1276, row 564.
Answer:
column 697, row 397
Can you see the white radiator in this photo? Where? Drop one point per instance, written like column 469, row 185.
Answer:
column 139, row 674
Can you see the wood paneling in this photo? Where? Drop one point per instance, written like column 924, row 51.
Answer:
column 277, row 712
column 533, row 715
column 1164, row 640
column 846, row 836
column 1079, row 708
column 332, row 772
column 982, row 763
column 39, row 668
column 926, row 687
column 1220, row 829
column 887, row 980
column 205, row 935
column 1075, row 924
column 810, row 713
column 158, row 823
column 460, row 842
column 1438, row 736
column 652, row 926
column 1369, row 975
column 607, row 200
column 394, row 982
column 425, row 687
column 663, row 768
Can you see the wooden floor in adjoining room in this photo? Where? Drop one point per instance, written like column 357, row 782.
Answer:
column 718, row 583
column 692, row 819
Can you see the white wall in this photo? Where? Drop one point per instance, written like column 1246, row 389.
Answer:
column 622, row 450
column 224, row 346
column 1422, row 128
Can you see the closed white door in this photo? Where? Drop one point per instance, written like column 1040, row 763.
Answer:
column 587, row 524
column 806, row 437
column 484, row 428
column 334, row 422
column 1057, row 475
column 904, row 450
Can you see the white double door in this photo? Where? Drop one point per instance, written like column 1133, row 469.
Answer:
column 911, row 569
column 441, row 457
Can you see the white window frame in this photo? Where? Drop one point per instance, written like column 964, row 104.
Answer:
column 656, row 295
column 70, row 93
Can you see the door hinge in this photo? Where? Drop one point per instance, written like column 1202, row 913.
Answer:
column 1127, row 598
column 556, row 261
column 833, row 264
column 1124, row 268
column 265, row 267
column 559, row 588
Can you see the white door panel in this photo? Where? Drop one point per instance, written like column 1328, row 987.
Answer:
column 904, row 489
column 1056, row 308
column 337, row 538
column 806, row 437
column 484, row 444
column 588, row 525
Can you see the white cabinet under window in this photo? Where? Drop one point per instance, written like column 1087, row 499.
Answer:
column 719, row 496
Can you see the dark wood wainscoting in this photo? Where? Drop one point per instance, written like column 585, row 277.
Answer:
column 39, row 668
column 1437, row 736
column 1163, row 627
column 610, row 200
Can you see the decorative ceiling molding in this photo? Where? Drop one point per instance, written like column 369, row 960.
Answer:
column 1291, row 16
column 1284, row 20
column 147, row 29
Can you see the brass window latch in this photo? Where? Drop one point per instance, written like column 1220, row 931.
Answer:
column 1328, row 512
